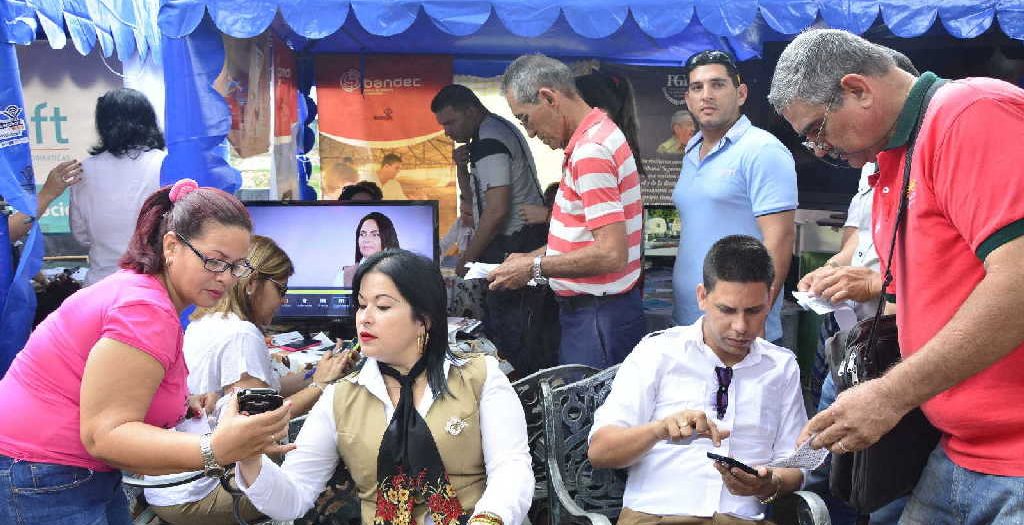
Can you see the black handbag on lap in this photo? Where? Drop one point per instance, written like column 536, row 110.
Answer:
column 871, row 478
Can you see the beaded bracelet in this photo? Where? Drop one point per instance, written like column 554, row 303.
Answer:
column 486, row 518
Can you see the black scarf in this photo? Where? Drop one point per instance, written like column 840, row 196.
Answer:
column 409, row 466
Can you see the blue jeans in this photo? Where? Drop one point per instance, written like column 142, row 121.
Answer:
column 602, row 333
column 37, row 493
column 839, row 511
column 950, row 494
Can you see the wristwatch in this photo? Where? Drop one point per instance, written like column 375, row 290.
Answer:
column 538, row 276
column 210, row 467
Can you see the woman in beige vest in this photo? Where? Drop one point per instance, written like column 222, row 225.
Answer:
column 428, row 437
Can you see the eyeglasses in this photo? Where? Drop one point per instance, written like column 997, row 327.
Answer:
column 282, row 288
column 369, row 234
column 831, row 157
column 240, row 269
column 724, row 375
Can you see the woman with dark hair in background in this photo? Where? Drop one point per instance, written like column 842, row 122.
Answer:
column 614, row 94
column 424, row 433
column 375, row 232
column 123, row 170
column 362, row 191
column 103, row 377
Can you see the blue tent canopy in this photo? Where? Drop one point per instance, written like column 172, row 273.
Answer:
column 657, row 19
column 633, row 31
column 127, row 27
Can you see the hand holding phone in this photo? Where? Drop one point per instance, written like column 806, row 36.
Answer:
column 258, row 400
column 732, row 463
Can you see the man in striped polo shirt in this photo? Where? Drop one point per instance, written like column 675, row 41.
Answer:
column 592, row 259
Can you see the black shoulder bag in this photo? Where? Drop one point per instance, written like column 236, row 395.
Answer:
column 871, row 478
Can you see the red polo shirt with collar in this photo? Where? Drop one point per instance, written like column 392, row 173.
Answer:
column 966, row 198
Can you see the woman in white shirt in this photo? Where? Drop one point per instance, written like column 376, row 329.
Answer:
column 123, row 170
column 427, row 436
column 225, row 349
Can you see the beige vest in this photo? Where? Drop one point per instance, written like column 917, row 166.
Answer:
column 359, row 418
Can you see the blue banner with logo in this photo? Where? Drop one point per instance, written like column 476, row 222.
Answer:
column 17, row 185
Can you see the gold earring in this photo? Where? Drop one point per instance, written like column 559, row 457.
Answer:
column 421, row 341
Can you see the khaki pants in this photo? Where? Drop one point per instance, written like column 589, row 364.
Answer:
column 214, row 509
column 632, row 517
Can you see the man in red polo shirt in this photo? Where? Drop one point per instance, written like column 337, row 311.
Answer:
column 592, row 258
column 959, row 281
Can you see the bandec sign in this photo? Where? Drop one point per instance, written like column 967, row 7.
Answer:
column 386, row 98
column 351, row 81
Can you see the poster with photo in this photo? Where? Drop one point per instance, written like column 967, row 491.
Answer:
column 376, row 125
column 659, row 94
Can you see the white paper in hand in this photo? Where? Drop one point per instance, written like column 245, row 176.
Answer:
column 479, row 270
column 803, row 457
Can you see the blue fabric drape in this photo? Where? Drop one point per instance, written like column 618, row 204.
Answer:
column 17, row 185
column 197, row 118
column 306, row 137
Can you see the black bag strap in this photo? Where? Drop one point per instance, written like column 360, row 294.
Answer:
column 902, row 211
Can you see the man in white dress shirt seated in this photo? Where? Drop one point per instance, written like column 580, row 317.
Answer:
column 713, row 386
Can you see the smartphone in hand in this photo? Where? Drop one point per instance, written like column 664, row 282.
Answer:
column 258, row 400
column 732, row 463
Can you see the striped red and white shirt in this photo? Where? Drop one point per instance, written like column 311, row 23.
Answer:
column 600, row 186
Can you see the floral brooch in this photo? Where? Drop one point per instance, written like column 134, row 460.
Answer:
column 455, row 426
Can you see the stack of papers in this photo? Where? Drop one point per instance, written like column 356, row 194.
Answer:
column 460, row 324
column 479, row 270
column 804, row 457
column 842, row 311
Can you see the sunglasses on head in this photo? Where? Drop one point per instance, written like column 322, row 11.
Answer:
column 713, row 56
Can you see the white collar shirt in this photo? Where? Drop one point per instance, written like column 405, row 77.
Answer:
column 286, row 492
column 674, row 370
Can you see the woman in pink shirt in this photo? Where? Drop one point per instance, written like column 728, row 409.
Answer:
column 103, row 377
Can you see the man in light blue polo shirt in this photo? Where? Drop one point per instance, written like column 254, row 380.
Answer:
column 736, row 179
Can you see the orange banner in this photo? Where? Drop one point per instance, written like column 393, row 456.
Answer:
column 285, row 90
column 380, row 97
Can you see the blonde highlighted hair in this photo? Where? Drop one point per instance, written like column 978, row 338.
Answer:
column 269, row 262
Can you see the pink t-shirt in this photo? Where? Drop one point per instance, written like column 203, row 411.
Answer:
column 40, row 393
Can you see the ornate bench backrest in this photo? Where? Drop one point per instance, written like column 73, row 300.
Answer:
column 529, row 391
column 569, row 414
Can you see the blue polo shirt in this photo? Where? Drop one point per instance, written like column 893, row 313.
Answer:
column 749, row 173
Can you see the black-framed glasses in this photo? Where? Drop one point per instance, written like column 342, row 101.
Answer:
column 724, row 375
column 240, row 269
column 282, row 288
column 831, row 156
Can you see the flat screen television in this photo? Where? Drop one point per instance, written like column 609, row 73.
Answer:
column 661, row 231
column 321, row 238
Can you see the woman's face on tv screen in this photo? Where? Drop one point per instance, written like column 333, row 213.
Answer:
column 369, row 238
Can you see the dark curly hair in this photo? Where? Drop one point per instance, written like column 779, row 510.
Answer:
column 126, row 124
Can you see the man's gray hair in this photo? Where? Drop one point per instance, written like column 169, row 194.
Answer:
column 528, row 73
column 684, row 116
column 812, row 65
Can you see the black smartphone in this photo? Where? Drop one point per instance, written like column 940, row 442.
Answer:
column 733, row 462
column 259, row 400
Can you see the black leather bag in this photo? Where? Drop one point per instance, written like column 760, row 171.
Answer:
column 871, row 478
